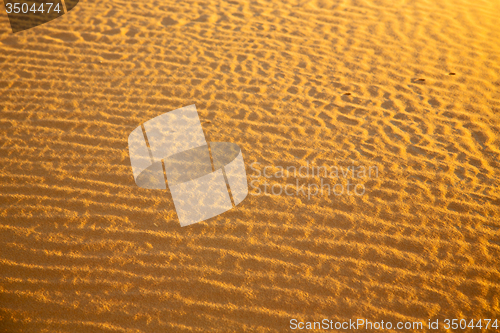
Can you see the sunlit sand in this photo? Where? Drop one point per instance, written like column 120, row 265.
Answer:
column 411, row 88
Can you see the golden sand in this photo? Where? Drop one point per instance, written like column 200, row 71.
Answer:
column 411, row 87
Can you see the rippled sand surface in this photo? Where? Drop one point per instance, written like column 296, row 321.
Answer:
column 409, row 87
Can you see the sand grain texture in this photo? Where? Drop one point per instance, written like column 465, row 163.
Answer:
column 83, row 249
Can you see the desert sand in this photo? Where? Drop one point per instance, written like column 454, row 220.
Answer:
column 409, row 87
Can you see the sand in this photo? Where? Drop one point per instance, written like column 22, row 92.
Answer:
column 335, row 83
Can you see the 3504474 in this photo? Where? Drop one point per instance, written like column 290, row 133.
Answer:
column 460, row 324
column 27, row 8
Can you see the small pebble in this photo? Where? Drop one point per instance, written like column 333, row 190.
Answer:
column 347, row 94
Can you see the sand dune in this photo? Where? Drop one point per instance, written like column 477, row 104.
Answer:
column 411, row 88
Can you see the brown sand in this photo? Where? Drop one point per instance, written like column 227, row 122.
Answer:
column 83, row 249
